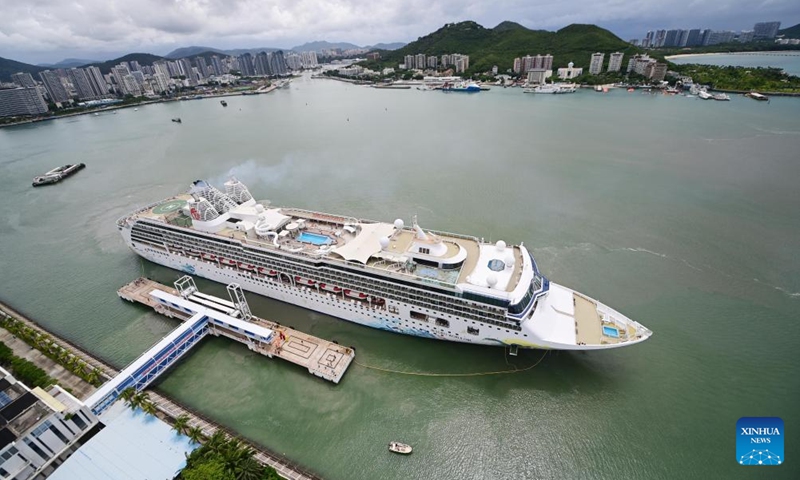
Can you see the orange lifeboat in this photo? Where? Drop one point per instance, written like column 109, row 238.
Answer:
column 209, row 257
column 227, row 261
column 304, row 281
column 247, row 266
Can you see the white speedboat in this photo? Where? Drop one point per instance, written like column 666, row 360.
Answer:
column 400, row 448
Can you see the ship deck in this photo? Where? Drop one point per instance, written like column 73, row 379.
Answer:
column 338, row 231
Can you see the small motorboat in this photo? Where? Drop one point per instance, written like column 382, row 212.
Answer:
column 176, row 120
column 223, row 103
column 400, row 448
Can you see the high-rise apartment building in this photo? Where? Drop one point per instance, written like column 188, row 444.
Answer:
column 766, row 30
column 99, row 84
column 83, row 87
column 55, row 89
column 419, row 61
column 23, row 79
column 615, row 61
column 246, row 65
column 21, row 101
column 596, row 63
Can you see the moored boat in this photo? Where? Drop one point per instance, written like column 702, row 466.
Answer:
column 757, row 96
column 57, row 174
column 723, row 97
column 406, row 279
column 400, row 448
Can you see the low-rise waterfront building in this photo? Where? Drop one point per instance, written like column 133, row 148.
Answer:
column 570, row 72
column 537, row 76
column 39, row 429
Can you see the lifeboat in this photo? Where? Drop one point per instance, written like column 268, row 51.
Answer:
column 356, row 295
column 304, row 281
column 193, row 253
column 227, row 261
column 209, row 257
column 330, row 288
column 247, row 266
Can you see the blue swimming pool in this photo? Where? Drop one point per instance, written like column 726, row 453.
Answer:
column 611, row 332
column 314, row 239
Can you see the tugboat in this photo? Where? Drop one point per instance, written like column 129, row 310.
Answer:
column 177, row 120
column 57, row 174
column 223, row 103
column 400, row 448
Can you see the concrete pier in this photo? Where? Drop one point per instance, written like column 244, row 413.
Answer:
column 320, row 357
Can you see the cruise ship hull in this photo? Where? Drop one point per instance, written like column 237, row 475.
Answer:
column 340, row 306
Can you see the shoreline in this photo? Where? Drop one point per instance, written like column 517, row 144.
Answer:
column 169, row 408
column 134, row 105
column 766, row 53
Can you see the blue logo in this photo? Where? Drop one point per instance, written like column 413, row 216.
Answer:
column 759, row 441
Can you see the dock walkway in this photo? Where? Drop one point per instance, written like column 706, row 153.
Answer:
column 320, row 357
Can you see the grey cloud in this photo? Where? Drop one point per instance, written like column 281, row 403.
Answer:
column 48, row 30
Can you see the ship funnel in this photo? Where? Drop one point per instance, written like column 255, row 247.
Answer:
column 221, row 202
column 237, row 191
column 204, row 211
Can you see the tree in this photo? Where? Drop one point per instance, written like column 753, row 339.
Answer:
column 195, row 434
column 127, row 394
column 214, row 469
column 181, row 423
column 149, row 407
column 93, row 377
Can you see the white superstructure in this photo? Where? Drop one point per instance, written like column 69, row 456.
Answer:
column 390, row 276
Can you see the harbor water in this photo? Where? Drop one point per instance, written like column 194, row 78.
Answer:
column 681, row 214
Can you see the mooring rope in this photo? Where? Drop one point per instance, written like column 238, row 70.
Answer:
column 477, row 374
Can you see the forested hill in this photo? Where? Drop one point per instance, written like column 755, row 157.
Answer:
column 9, row 67
column 500, row 45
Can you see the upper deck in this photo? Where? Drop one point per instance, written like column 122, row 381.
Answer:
column 456, row 262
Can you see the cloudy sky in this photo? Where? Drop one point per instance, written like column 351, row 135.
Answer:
column 38, row 31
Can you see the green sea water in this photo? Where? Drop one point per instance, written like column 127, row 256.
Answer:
column 681, row 214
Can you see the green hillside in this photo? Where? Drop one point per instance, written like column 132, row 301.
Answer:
column 142, row 58
column 791, row 32
column 9, row 67
column 500, row 45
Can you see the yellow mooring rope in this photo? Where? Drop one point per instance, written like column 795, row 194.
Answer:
column 478, row 374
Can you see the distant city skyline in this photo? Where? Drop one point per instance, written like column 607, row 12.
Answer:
column 48, row 32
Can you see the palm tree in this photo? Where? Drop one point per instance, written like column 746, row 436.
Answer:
column 248, row 468
column 63, row 357
column 93, row 377
column 181, row 423
column 149, row 407
column 127, row 394
column 195, row 434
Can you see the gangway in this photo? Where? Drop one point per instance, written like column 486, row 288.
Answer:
column 203, row 315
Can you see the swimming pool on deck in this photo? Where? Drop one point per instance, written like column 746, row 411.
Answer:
column 610, row 332
column 314, row 239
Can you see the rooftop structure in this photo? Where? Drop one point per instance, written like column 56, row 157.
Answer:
column 38, row 428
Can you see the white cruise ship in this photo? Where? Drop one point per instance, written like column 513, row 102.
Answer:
column 390, row 276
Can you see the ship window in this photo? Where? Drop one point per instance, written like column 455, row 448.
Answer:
column 473, row 331
column 442, row 322
column 424, row 250
column 419, row 316
column 392, row 309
